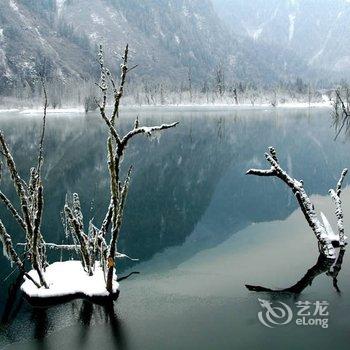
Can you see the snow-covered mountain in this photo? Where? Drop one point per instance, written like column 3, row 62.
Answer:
column 317, row 31
column 31, row 42
column 253, row 40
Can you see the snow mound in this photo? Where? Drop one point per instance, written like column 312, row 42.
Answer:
column 68, row 278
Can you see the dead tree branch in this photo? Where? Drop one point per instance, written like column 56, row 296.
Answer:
column 341, row 112
column 325, row 244
column 11, row 254
column 116, row 146
column 335, row 194
column 41, row 143
column 31, row 200
column 81, row 237
column 12, row 210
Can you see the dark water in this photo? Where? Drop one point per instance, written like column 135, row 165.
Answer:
column 200, row 226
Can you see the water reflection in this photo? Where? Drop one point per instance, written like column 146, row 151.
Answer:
column 176, row 185
column 122, row 278
column 13, row 302
column 323, row 265
column 111, row 321
column 189, row 195
column 334, row 271
column 41, row 322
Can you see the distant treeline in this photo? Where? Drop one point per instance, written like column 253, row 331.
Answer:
column 63, row 92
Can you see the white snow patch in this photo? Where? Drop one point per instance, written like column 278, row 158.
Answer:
column 177, row 39
column 191, row 54
column 231, row 60
column 317, row 55
column 68, row 278
column 13, row 5
column 34, row 111
column 330, row 233
column 255, row 33
column 94, row 36
column 325, row 98
column 15, row 8
column 9, row 110
column 59, row 5
column 3, row 59
column 185, row 11
column 97, row 19
column 291, row 26
column 325, row 43
column 200, row 20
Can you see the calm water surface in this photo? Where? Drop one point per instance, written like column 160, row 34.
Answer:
column 201, row 228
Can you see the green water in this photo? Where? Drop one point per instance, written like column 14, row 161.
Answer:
column 201, row 228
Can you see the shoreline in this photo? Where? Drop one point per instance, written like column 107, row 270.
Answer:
column 80, row 110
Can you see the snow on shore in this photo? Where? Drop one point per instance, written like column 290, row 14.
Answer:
column 68, row 278
column 52, row 110
column 9, row 110
column 79, row 110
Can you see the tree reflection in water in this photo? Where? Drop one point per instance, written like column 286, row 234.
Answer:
column 323, row 265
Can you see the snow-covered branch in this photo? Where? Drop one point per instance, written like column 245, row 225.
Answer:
column 118, row 94
column 10, row 252
column 12, row 210
column 116, row 146
column 146, row 130
column 335, row 194
column 325, row 243
column 74, row 247
column 335, row 269
column 81, row 237
column 54, row 246
column 42, row 137
column 18, row 182
column 341, row 114
column 30, row 196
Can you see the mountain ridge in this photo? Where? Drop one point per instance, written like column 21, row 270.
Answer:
column 172, row 41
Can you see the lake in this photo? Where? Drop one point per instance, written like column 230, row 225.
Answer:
column 201, row 228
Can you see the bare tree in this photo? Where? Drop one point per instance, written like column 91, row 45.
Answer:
column 309, row 94
column 93, row 244
column 235, row 97
column 31, row 200
column 189, row 77
column 335, row 194
column 323, row 235
column 341, row 111
column 89, row 103
column 274, row 100
column 220, row 79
